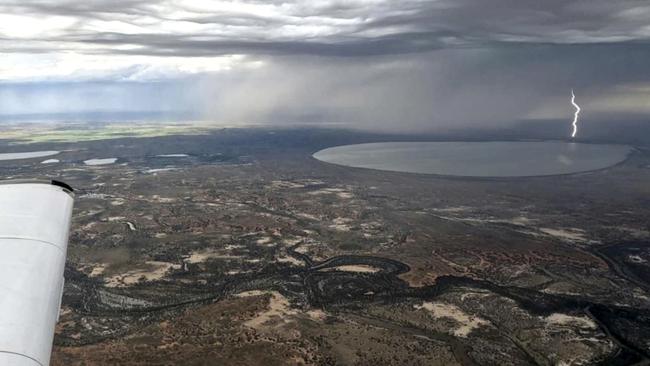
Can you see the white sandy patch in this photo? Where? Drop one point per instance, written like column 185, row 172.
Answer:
column 372, row 225
column 567, row 234
column 50, row 161
column 303, row 249
column 454, row 209
column 172, row 156
column 159, row 170
column 341, row 224
column 319, row 192
column 520, row 221
column 568, row 320
column 470, row 295
column 264, row 240
column 339, row 192
column 122, row 219
column 345, row 195
column 233, row 272
column 286, row 184
column 327, row 191
column 100, row 161
column 251, row 293
column 291, row 242
column 317, row 315
column 157, row 198
column 96, row 196
column 290, row 260
column 203, row 255
column 88, row 226
column 278, row 309
column 478, row 219
column 308, row 216
column 340, row 227
column 360, row 268
column 312, row 182
column 98, row 270
column 233, row 247
column 153, row 271
column 466, row 323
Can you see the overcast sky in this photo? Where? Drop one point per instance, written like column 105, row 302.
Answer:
column 396, row 65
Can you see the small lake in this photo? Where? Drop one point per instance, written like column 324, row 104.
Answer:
column 478, row 159
column 173, row 156
column 27, row 155
column 100, row 161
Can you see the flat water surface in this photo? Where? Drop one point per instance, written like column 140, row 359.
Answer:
column 478, row 159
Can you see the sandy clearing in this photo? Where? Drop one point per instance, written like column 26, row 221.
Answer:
column 201, row 256
column 569, row 320
column 286, row 184
column 360, row 268
column 153, row 271
column 454, row 209
column 263, row 240
column 341, row 224
column 278, row 309
column 466, row 322
column 98, row 270
column 291, row 260
column 317, row 315
column 568, row 234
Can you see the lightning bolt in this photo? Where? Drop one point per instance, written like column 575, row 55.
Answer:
column 577, row 114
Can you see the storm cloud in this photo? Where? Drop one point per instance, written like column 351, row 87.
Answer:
column 371, row 64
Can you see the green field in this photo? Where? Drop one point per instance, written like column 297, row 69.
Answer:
column 76, row 133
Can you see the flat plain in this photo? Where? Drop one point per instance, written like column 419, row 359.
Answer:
column 237, row 247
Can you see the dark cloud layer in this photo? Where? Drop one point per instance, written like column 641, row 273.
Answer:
column 348, row 28
column 374, row 64
column 443, row 89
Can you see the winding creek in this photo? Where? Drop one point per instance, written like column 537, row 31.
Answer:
column 318, row 286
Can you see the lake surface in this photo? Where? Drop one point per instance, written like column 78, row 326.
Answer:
column 27, row 155
column 478, row 159
column 173, row 156
column 100, row 161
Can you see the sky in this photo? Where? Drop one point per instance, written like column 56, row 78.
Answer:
column 403, row 65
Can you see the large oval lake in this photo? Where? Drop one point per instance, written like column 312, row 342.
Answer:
column 478, row 159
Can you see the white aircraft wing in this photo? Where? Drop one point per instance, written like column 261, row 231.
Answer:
column 34, row 223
